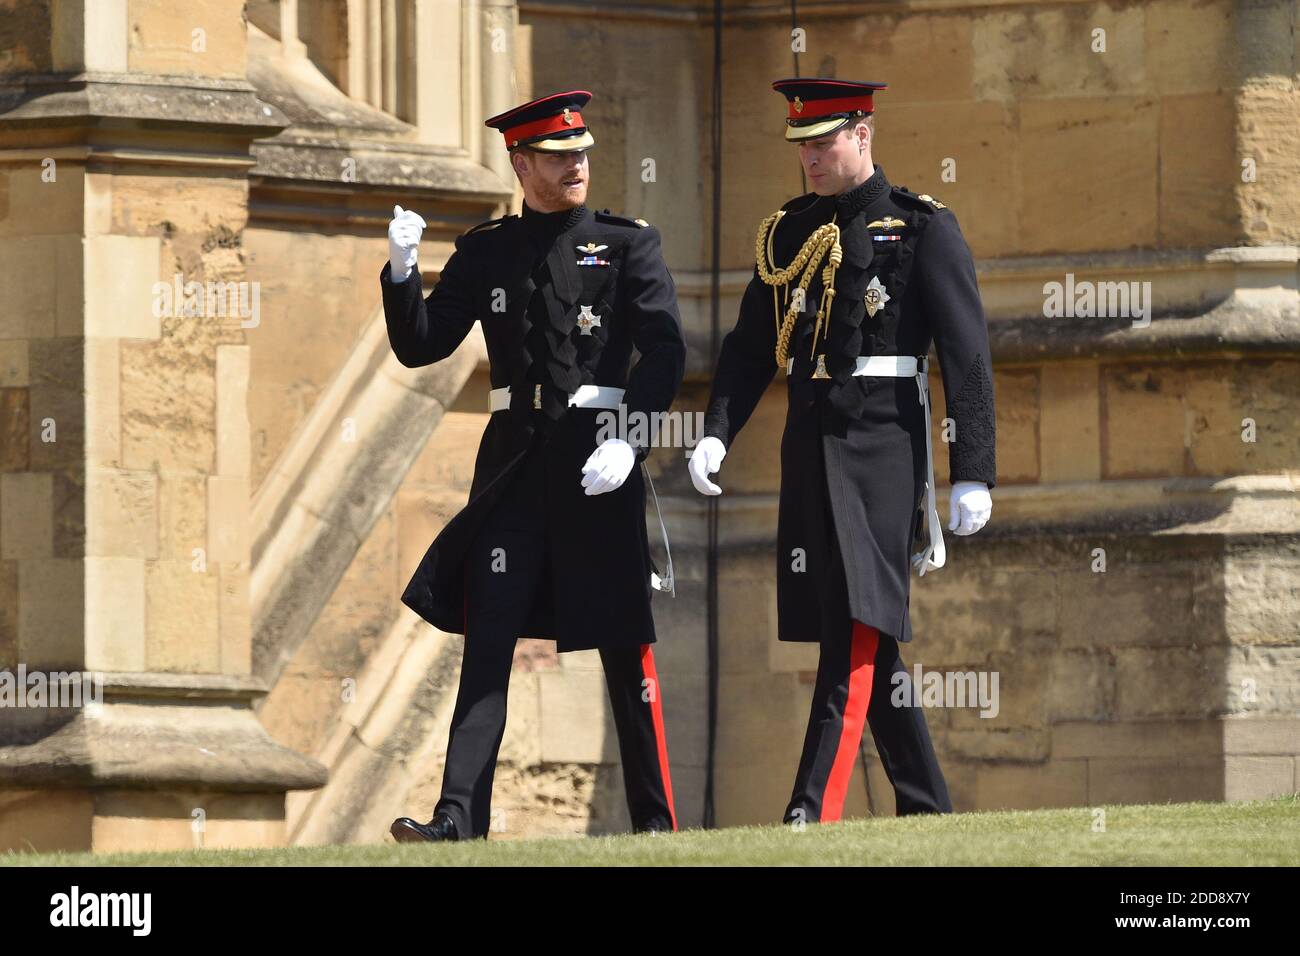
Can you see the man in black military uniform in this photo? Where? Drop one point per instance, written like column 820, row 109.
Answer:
column 852, row 282
column 552, row 543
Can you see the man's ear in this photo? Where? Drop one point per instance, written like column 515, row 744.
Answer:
column 519, row 162
column 863, row 133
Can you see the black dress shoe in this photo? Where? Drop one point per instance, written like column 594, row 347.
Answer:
column 656, row 826
column 441, row 827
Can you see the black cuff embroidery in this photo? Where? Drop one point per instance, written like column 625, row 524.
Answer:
column 717, row 421
column 972, row 456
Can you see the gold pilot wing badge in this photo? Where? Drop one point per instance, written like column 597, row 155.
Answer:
column 589, row 258
column 889, row 222
column 888, row 229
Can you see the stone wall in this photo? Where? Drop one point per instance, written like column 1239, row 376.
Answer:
column 1174, row 673
column 124, row 531
column 310, row 472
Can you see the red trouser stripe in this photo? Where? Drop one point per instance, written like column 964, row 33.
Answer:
column 649, row 673
column 862, row 664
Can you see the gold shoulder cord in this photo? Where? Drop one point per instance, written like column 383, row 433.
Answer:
column 825, row 239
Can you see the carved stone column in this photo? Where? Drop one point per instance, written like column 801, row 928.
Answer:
column 125, row 137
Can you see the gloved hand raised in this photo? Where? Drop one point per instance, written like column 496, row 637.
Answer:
column 608, row 466
column 970, row 507
column 706, row 459
column 404, row 242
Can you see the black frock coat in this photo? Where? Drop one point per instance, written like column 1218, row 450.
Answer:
column 521, row 277
column 854, row 446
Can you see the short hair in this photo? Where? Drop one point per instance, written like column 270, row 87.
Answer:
column 521, row 149
column 868, row 118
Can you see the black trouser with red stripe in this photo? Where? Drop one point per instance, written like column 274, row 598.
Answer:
column 857, row 673
column 504, row 570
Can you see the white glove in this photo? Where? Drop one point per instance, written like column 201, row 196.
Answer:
column 971, row 505
column 705, row 460
column 608, row 466
column 403, row 242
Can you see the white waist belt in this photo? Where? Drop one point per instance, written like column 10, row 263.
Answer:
column 901, row 366
column 588, row 396
column 602, row 396
column 892, row 366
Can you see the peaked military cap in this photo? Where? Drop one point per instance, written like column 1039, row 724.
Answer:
column 818, row 105
column 551, row 124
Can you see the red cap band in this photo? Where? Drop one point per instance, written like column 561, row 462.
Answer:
column 548, row 124
column 841, row 104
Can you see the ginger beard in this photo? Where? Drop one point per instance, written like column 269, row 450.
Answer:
column 838, row 161
column 553, row 181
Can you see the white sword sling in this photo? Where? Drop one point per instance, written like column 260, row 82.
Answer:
column 933, row 555
column 604, row 396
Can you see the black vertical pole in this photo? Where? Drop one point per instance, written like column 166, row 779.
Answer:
column 715, row 306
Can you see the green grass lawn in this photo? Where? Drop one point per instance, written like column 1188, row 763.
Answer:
column 1262, row 833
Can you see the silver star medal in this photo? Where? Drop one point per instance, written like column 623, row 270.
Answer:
column 586, row 320
column 875, row 296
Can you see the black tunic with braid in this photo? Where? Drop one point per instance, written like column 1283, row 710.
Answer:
column 853, row 457
column 527, row 280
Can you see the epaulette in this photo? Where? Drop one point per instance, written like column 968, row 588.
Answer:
column 922, row 201
column 605, row 215
column 485, row 226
